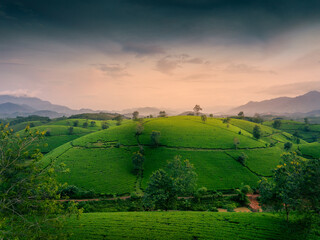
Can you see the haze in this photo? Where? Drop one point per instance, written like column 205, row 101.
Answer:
column 120, row 54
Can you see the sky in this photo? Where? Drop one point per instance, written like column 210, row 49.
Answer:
column 118, row 54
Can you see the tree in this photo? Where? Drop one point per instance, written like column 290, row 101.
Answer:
column 165, row 185
column 226, row 120
column 76, row 123
column 197, row 110
column 70, row 130
column 256, row 131
column 306, row 121
column 276, row 123
column 282, row 192
column 28, row 188
column 105, row 125
column 155, row 138
column 287, row 146
column 241, row 114
column 137, row 161
column 85, row 124
column 204, row 118
column 242, row 192
column 92, row 124
column 211, row 115
column 162, row 114
column 139, row 129
column 135, row 115
column 119, row 119
column 236, row 142
column 242, row 159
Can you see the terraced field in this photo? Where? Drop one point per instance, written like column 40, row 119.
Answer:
column 101, row 161
column 181, row 225
column 311, row 150
column 58, row 136
column 308, row 133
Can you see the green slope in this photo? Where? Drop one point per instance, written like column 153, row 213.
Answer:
column 101, row 161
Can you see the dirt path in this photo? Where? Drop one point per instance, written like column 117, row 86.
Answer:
column 254, row 204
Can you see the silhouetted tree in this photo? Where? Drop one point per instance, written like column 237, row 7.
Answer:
column 197, row 110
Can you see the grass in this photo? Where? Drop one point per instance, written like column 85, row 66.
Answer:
column 310, row 150
column 181, row 225
column 261, row 161
column 191, row 132
column 101, row 161
column 298, row 127
column 102, row 170
column 216, row 170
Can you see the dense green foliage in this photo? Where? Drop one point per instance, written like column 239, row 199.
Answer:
column 294, row 186
column 178, row 178
column 28, row 191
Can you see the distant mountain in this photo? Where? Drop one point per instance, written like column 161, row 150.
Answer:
column 35, row 103
column 12, row 106
column 9, row 108
column 282, row 105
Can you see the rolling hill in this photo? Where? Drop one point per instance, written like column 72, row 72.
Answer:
column 101, row 161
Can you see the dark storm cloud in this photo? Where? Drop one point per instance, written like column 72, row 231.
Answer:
column 142, row 50
column 145, row 21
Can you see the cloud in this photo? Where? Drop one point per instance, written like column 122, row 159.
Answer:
column 247, row 69
column 292, row 88
column 143, row 49
column 19, row 93
column 201, row 77
column 112, row 70
column 170, row 63
column 16, row 62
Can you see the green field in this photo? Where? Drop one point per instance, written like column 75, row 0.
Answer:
column 101, row 161
column 181, row 225
column 216, row 170
column 307, row 132
column 311, row 150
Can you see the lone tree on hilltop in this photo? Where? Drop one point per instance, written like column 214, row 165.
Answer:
column 241, row 115
column 135, row 115
column 197, row 109
column 162, row 114
column 256, row 132
column 204, row 118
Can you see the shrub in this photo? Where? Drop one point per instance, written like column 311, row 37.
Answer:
column 155, row 138
column 242, row 159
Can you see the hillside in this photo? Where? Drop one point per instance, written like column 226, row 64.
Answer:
column 301, row 104
column 101, row 161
